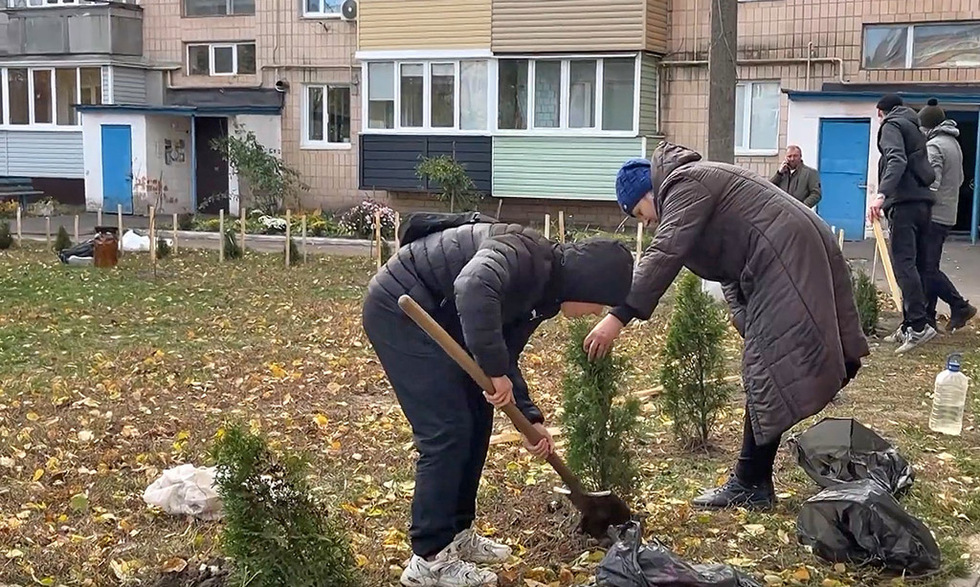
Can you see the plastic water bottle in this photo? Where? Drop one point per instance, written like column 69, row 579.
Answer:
column 949, row 398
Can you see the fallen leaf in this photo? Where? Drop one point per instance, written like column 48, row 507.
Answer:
column 840, row 568
column 14, row 553
column 86, row 436
column 173, row 565
column 801, row 574
column 755, row 529
column 78, row 502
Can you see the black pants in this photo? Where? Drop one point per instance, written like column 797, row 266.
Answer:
column 755, row 462
column 909, row 223
column 939, row 287
column 451, row 421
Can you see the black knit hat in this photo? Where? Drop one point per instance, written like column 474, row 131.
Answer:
column 890, row 101
column 596, row 270
column 932, row 115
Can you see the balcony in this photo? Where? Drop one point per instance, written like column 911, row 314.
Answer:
column 55, row 27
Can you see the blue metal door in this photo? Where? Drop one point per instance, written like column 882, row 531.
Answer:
column 117, row 167
column 843, row 169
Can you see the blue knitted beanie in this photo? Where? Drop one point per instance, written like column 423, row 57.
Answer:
column 632, row 183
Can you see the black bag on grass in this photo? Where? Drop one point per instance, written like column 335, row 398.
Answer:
column 861, row 523
column 421, row 224
column 631, row 563
column 83, row 249
column 841, row 450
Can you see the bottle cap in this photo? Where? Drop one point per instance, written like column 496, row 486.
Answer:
column 953, row 362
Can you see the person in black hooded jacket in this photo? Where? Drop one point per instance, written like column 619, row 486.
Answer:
column 490, row 285
column 904, row 196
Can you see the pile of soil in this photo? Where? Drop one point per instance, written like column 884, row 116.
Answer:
column 214, row 573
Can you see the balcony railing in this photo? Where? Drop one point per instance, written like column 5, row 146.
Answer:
column 58, row 27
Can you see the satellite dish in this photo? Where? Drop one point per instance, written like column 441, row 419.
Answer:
column 348, row 10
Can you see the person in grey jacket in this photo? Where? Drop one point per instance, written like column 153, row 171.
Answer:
column 904, row 177
column 797, row 179
column 946, row 158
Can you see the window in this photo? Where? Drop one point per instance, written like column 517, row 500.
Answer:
column 412, row 94
column 48, row 96
column 218, row 7
column 443, row 92
column 757, row 117
column 512, row 80
column 321, row 8
column 922, row 46
column 327, row 114
column 221, row 59
column 381, row 95
column 571, row 94
column 473, row 95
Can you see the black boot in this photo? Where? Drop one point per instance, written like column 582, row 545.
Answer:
column 735, row 494
column 959, row 319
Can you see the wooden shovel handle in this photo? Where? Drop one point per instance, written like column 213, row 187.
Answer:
column 886, row 262
column 464, row 360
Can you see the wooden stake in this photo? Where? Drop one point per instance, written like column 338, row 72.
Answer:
column 398, row 226
column 304, row 239
column 76, row 228
column 289, row 216
column 561, row 226
column 120, row 228
column 175, row 232
column 20, row 237
column 547, row 226
column 99, row 221
column 639, row 241
column 840, row 239
column 874, row 265
column 241, row 218
column 500, row 202
column 221, row 235
column 153, row 237
column 886, row 262
column 47, row 231
column 377, row 234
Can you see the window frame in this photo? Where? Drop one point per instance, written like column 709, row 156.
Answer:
column 211, row 48
column 320, row 14
column 53, row 126
column 306, row 142
column 909, row 43
column 747, row 120
column 492, row 83
column 228, row 5
column 565, row 99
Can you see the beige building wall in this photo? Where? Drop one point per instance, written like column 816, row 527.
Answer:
column 785, row 30
column 552, row 26
column 289, row 47
column 424, row 24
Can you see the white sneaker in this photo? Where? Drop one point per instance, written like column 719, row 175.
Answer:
column 896, row 337
column 915, row 339
column 479, row 549
column 446, row 570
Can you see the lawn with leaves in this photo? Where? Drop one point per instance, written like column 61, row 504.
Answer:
column 109, row 377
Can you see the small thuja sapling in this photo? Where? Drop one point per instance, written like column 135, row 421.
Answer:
column 6, row 239
column 600, row 418
column 694, row 363
column 276, row 532
column 232, row 249
column 866, row 299
column 62, row 241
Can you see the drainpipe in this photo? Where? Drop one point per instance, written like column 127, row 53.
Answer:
column 809, row 63
column 780, row 61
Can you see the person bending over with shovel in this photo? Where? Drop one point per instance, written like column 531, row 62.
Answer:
column 489, row 285
column 783, row 275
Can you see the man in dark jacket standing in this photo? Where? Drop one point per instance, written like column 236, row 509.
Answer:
column 904, row 177
column 783, row 275
column 490, row 285
column 797, row 179
column 946, row 158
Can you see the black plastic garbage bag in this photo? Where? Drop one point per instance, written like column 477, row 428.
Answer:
column 631, row 563
column 83, row 249
column 861, row 523
column 841, row 450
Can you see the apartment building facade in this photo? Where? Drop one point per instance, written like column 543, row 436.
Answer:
column 810, row 73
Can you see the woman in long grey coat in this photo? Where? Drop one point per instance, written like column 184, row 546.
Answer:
column 783, row 275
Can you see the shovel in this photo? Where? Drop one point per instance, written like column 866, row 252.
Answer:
column 599, row 509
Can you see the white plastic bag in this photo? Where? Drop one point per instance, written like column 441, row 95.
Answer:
column 713, row 288
column 186, row 490
column 134, row 242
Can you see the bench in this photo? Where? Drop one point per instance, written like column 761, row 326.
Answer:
column 20, row 188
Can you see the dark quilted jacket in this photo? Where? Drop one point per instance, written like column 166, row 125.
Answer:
column 500, row 278
column 783, row 275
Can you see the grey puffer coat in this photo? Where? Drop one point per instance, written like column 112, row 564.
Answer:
column 782, row 272
column 946, row 158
